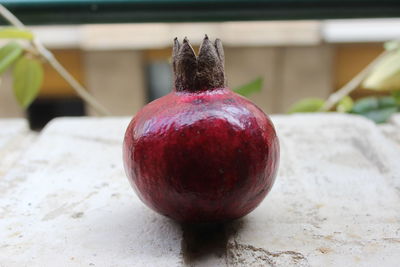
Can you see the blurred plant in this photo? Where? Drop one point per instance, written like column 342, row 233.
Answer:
column 307, row 105
column 250, row 88
column 382, row 74
column 27, row 58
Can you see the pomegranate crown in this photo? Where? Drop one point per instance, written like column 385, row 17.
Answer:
column 198, row 73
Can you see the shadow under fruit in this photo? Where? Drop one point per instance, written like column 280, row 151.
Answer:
column 202, row 153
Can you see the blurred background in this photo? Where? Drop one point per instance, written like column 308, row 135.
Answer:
column 125, row 61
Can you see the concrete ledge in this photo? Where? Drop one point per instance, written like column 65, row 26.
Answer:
column 335, row 203
column 15, row 138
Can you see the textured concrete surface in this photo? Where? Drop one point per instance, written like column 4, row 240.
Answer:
column 336, row 202
column 391, row 129
column 15, row 137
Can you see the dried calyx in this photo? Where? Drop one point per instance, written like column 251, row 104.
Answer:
column 198, row 73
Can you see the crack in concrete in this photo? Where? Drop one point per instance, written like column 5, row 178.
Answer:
column 216, row 245
column 248, row 255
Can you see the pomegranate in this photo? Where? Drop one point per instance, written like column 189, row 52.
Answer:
column 201, row 153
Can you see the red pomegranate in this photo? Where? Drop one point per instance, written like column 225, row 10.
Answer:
column 201, row 153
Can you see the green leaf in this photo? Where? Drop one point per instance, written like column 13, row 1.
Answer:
column 365, row 104
column 28, row 77
column 386, row 74
column 307, row 105
column 376, row 109
column 345, row 105
column 381, row 115
column 396, row 97
column 250, row 88
column 14, row 33
column 391, row 45
column 8, row 55
column 386, row 102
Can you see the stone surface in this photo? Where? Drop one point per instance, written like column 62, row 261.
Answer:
column 336, row 202
column 392, row 128
column 395, row 119
column 68, row 203
column 15, row 137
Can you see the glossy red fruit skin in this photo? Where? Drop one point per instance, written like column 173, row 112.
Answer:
column 201, row 157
